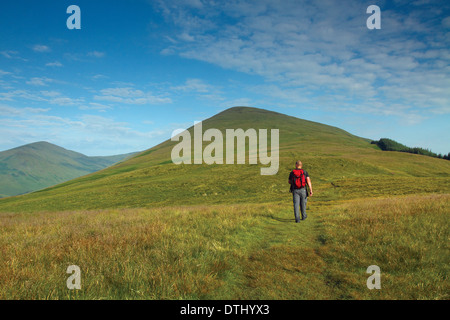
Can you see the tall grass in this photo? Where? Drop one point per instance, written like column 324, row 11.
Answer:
column 407, row 237
column 231, row 252
column 170, row 253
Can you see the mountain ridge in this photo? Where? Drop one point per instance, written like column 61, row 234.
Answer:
column 42, row 164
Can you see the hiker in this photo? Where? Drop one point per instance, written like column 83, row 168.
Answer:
column 299, row 181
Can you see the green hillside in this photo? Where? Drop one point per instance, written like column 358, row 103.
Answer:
column 39, row 165
column 149, row 229
column 391, row 145
column 341, row 165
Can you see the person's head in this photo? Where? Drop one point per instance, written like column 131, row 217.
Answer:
column 298, row 164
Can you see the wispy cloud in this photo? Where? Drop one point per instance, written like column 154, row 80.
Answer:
column 95, row 106
column 41, row 48
column 306, row 50
column 12, row 95
column 4, row 73
column 199, row 89
column 7, row 111
column 98, row 135
column 47, row 96
column 128, row 95
column 11, row 54
column 51, row 94
column 99, row 77
column 54, row 64
column 39, row 81
column 316, row 58
column 194, row 85
column 96, row 54
column 8, row 54
column 83, row 56
column 66, row 101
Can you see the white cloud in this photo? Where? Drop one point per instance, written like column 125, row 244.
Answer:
column 41, row 48
column 54, row 64
column 95, row 106
column 123, row 92
column 196, row 85
column 186, row 37
column 168, row 51
column 48, row 96
column 99, row 76
column 303, row 50
column 4, row 73
column 21, row 94
column 7, row 111
column 39, row 81
column 36, row 110
column 200, row 89
column 89, row 134
column 8, row 54
column 129, row 95
column 11, row 54
column 50, row 93
column 96, row 54
column 65, row 101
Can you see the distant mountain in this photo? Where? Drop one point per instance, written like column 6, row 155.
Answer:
column 41, row 164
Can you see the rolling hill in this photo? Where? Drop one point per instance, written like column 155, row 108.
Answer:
column 341, row 165
column 41, row 164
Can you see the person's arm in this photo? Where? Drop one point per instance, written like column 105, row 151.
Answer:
column 308, row 181
column 290, row 182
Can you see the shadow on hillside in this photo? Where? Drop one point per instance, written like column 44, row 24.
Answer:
column 271, row 216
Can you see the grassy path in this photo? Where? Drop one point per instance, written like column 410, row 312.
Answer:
column 327, row 256
column 251, row 251
column 283, row 261
column 217, row 252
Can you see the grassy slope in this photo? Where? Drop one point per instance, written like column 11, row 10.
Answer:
column 39, row 165
column 371, row 207
column 340, row 165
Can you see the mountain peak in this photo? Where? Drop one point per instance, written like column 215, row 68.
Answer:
column 42, row 164
column 40, row 144
column 245, row 109
column 248, row 114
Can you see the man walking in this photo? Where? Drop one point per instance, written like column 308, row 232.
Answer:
column 299, row 179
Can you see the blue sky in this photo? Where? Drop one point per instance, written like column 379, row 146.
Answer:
column 137, row 70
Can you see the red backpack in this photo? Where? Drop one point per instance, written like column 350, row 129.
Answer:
column 298, row 179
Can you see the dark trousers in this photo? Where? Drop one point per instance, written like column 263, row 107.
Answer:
column 299, row 198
